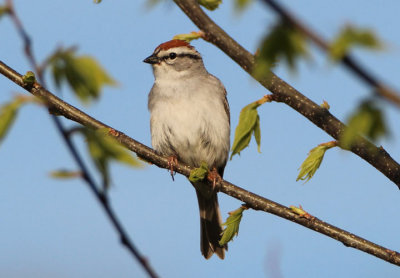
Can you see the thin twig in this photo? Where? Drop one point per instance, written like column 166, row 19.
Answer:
column 250, row 199
column 101, row 196
column 285, row 93
column 379, row 88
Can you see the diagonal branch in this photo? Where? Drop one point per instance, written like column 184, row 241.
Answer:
column 101, row 196
column 252, row 200
column 380, row 89
column 283, row 92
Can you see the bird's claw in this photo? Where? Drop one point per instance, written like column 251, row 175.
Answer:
column 172, row 162
column 214, row 177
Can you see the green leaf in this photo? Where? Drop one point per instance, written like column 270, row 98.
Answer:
column 65, row 174
column 199, row 174
column 249, row 124
column 29, row 78
column 97, row 1
column 367, row 120
column 351, row 36
column 189, row 37
column 232, row 226
column 298, row 210
column 257, row 134
column 283, row 42
column 301, row 212
column 313, row 161
column 4, row 9
column 325, row 105
column 210, row 4
column 152, row 3
column 240, row 5
column 8, row 114
column 103, row 149
column 82, row 73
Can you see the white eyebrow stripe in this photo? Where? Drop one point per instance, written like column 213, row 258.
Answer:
column 178, row 51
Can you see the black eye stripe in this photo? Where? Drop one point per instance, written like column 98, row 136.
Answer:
column 193, row 56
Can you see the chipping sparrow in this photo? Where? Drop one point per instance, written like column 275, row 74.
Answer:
column 190, row 121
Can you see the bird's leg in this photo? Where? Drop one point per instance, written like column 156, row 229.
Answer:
column 172, row 162
column 214, row 177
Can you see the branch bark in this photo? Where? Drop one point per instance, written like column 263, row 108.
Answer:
column 285, row 93
column 101, row 196
column 379, row 88
column 252, row 200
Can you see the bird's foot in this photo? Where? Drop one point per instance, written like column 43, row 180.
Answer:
column 214, row 177
column 172, row 162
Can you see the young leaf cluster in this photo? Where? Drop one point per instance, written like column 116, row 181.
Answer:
column 249, row 124
column 4, row 9
column 199, row 174
column 29, row 78
column 103, row 149
column 367, row 120
column 282, row 42
column 313, row 161
column 65, row 174
column 82, row 73
column 240, row 5
column 189, row 37
column 351, row 36
column 232, row 224
column 210, row 4
column 9, row 112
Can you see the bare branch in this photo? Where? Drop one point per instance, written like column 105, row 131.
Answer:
column 283, row 92
column 252, row 200
column 379, row 88
column 101, row 196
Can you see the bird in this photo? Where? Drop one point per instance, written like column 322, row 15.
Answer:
column 190, row 123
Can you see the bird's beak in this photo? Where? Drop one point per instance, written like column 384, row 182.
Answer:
column 152, row 59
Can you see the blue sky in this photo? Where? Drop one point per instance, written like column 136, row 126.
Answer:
column 54, row 228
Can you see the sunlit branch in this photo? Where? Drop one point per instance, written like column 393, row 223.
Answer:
column 250, row 199
column 285, row 93
column 378, row 87
column 101, row 196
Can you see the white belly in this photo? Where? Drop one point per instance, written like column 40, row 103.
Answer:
column 194, row 128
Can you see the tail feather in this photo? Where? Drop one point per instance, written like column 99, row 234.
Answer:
column 210, row 225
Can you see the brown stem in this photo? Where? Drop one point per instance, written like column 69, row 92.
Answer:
column 283, row 92
column 379, row 88
column 250, row 199
column 100, row 196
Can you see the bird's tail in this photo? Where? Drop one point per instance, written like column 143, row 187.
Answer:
column 210, row 224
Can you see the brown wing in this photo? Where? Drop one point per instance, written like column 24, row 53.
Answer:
column 226, row 106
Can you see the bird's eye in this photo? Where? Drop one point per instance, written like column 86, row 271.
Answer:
column 172, row 55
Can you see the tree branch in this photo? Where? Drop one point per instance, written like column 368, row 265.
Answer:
column 101, row 196
column 252, row 200
column 70, row 112
column 379, row 88
column 283, row 92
